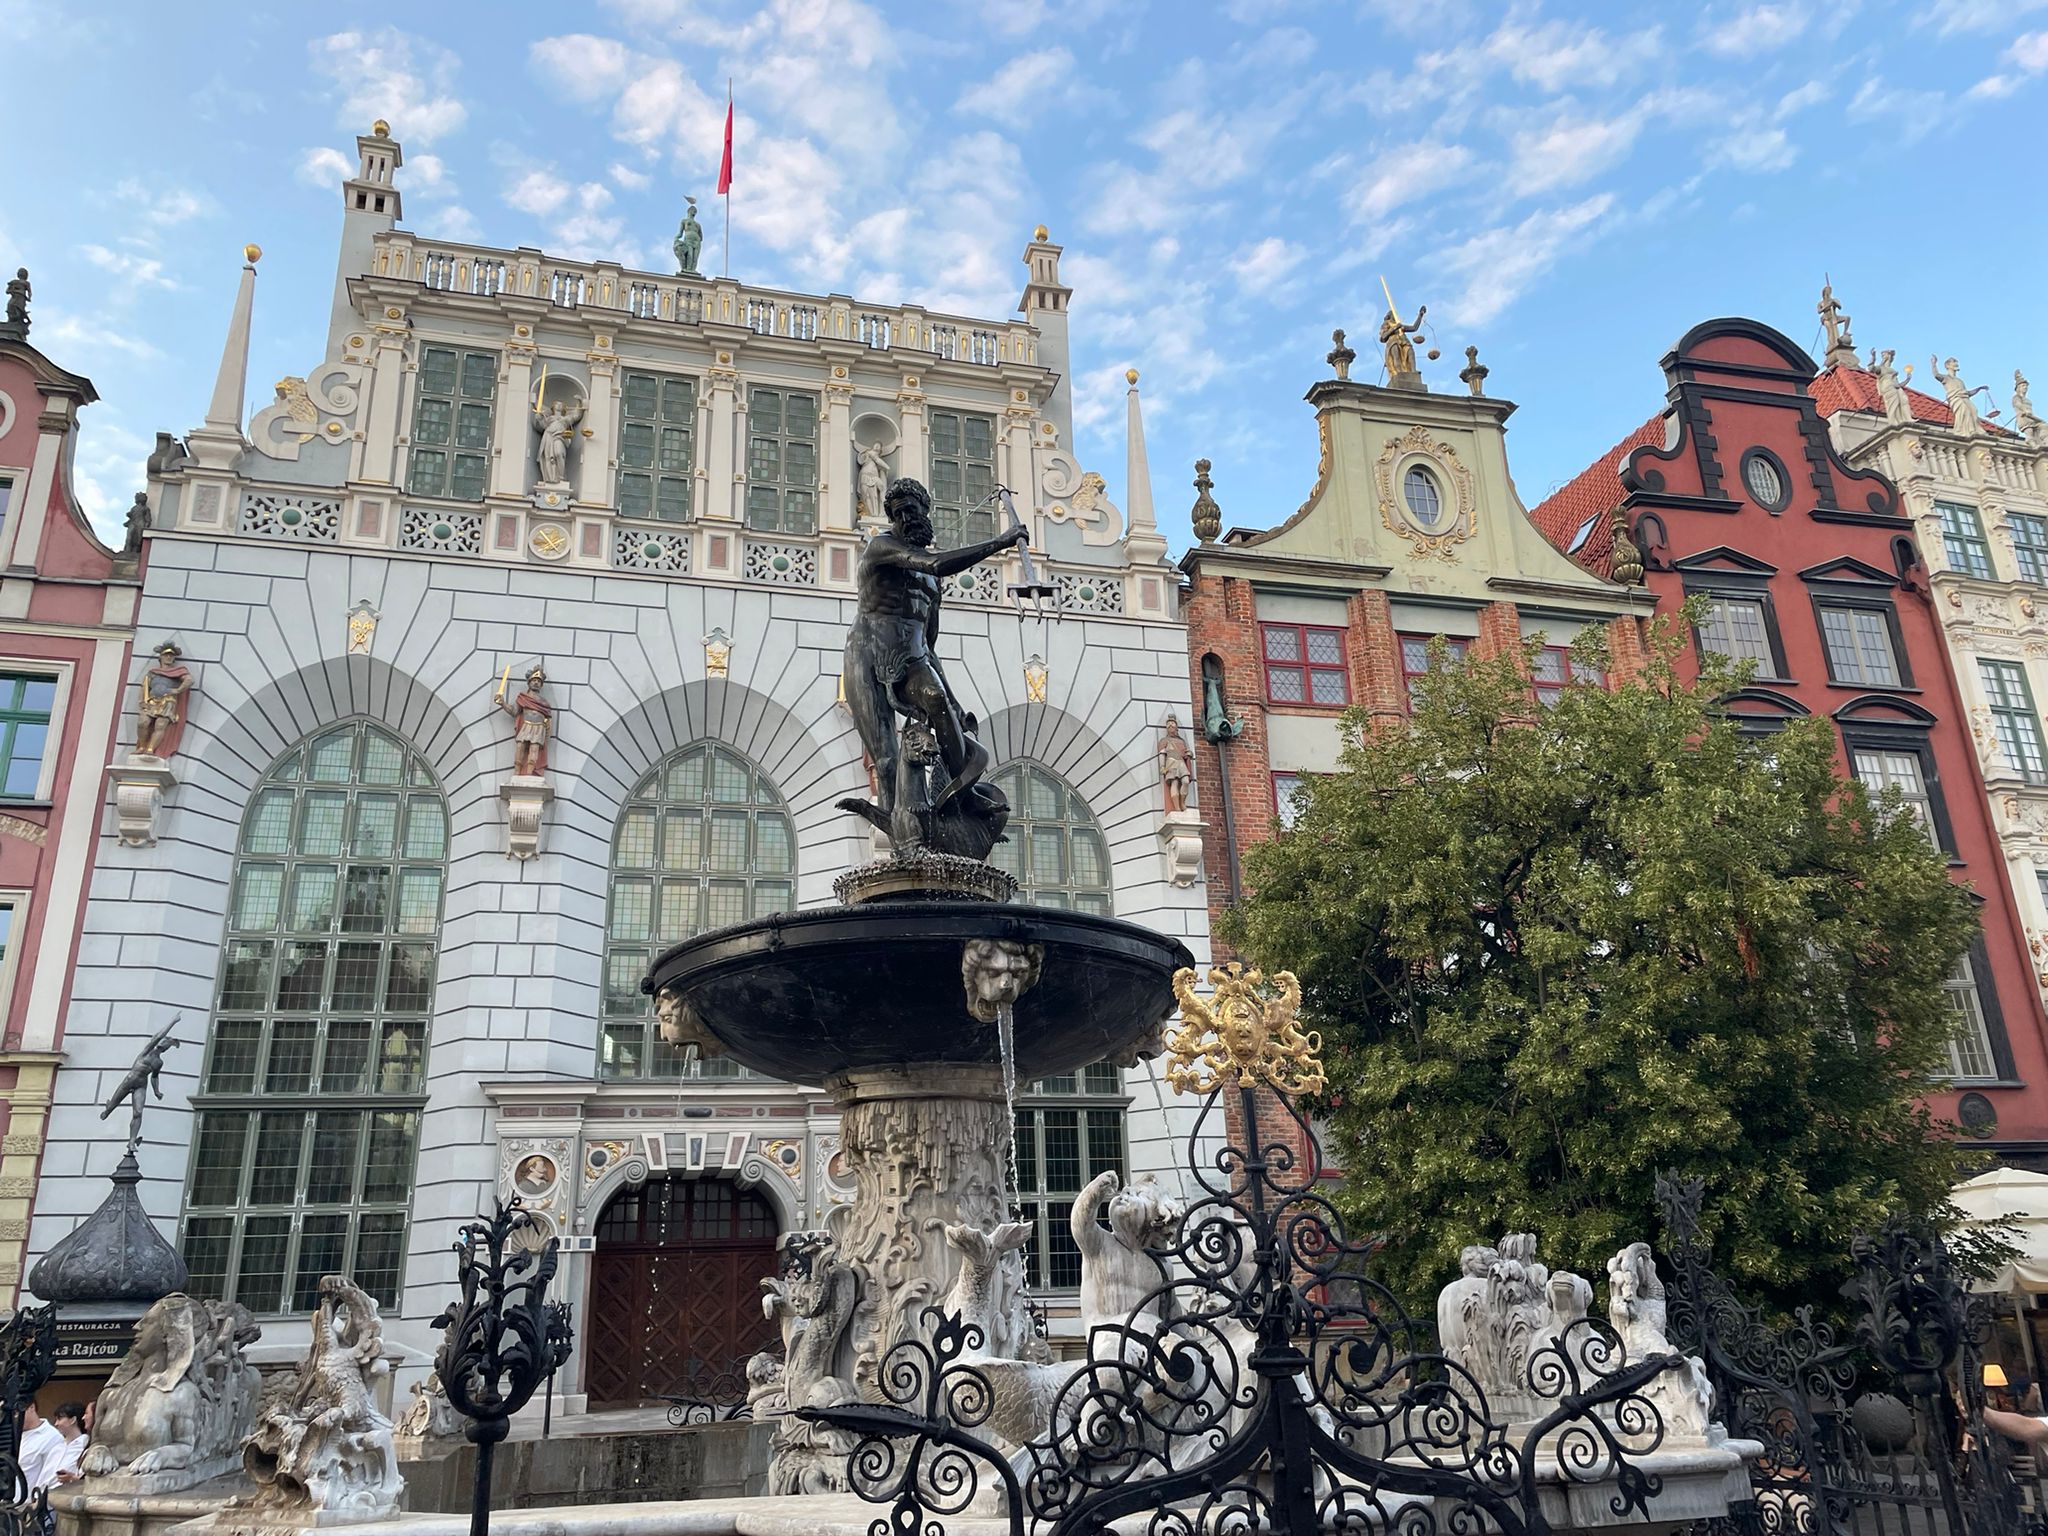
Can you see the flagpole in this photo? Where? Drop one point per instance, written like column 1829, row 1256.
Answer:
column 728, row 185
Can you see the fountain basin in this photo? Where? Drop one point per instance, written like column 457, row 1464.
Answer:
column 818, row 994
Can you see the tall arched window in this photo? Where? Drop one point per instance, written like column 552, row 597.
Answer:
column 1069, row 1128
column 704, row 840
column 1053, row 846
column 309, row 1099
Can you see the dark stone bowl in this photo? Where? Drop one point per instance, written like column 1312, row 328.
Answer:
column 807, row 995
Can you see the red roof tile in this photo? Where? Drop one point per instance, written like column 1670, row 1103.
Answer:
column 1593, row 493
column 1855, row 389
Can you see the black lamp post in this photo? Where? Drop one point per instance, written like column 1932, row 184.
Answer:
column 497, row 1346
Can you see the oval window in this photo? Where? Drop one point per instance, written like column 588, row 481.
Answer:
column 1766, row 482
column 1425, row 503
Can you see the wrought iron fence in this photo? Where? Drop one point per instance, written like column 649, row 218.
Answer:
column 28, row 1358
column 1879, row 1434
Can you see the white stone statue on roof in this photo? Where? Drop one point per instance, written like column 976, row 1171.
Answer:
column 1891, row 392
column 2024, row 421
column 1961, row 408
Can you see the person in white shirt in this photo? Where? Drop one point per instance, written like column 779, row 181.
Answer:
column 69, row 1421
column 39, row 1451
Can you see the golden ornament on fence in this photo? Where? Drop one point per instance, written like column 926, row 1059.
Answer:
column 1245, row 1026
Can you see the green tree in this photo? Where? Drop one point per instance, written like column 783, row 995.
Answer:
column 1552, row 951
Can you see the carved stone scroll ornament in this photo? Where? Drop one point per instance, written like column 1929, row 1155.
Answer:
column 322, row 1452
column 431, row 1415
column 1069, row 494
column 813, row 1301
column 319, row 406
column 178, row 1406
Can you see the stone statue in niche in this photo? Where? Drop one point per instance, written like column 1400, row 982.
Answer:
column 1891, row 390
column 143, row 1077
column 182, row 1398
column 557, row 428
column 1962, row 409
column 892, row 669
column 160, row 710
column 322, row 1452
column 1176, row 765
column 689, row 242
column 873, row 481
column 535, row 724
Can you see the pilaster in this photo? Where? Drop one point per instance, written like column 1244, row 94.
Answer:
column 514, row 418
column 594, row 463
column 836, row 474
column 21, row 1154
column 913, row 449
column 383, row 447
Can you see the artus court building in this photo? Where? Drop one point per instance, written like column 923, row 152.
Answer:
column 409, row 978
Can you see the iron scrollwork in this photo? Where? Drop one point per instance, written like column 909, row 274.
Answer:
column 28, row 1358
column 1261, row 1379
column 497, row 1344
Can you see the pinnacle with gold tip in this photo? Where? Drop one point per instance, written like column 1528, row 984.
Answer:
column 1245, row 1028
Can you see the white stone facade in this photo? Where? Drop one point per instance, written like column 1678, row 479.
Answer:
column 309, row 588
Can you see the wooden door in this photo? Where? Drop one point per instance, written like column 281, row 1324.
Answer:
column 675, row 1290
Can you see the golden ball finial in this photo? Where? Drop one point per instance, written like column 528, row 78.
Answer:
column 381, row 129
column 1040, row 233
column 1130, row 375
column 252, row 253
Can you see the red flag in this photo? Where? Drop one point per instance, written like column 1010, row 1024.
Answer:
column 725, row 163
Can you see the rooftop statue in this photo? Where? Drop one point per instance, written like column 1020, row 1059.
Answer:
column 689, row 242
column 1962, row 409
column 1394, row 336
column 892, row 669
column 18, row 294
column 2024, row 421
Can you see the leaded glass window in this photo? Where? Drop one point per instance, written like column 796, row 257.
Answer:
column 307, row 1114
column 1962, row 538
column 782, row 461
column 704, row 841
column 1859, row 642
column 963, row 469
column 1070, row 1129
column 1739, row 628
column 1969, row 1049
column 25, row 705
column 1053, row 846
column 451, row 423
column 1882, row 768
column 2029, row 545
column 657, row 446
column 2013, row 719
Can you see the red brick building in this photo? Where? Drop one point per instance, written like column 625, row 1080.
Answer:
column 1735, row 492
column 67, row 617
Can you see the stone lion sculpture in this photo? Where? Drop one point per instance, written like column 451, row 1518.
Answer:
column 323, row 1447
column 182, row 1398
column 996, row 972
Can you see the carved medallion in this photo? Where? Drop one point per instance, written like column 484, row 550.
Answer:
column 1426, row 494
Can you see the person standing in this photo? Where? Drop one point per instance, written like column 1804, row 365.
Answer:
column 69, row 1421
column 38, row 1453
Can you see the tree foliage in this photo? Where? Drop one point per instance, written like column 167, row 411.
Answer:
column 1554, row 950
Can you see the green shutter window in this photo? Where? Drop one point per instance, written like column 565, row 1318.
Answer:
column 704, row 840
column 782, row 461
column 963, row 477
column 657, row 446
column 452, row 424
column 308, row 1110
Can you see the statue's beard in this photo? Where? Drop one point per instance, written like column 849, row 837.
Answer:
column 916, row 529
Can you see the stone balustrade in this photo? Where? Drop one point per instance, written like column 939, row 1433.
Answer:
column 445, row 267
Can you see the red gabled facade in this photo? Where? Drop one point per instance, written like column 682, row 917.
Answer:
column 1735, row 493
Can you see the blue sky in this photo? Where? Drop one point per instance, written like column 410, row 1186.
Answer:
column 1566, row 185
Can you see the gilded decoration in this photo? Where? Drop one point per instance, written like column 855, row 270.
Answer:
column 600, row 1158
column 1245, row 1028
column 1459, row 520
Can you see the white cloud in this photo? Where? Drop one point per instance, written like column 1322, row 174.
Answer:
column 1912, row 113
column 134, row 269
column 1759, row 147
column 1951, row 16
column 1570, row 150
column 2030, row 52
column 1025, row 87
column 1268, row 263
column 539, row 193
column 1756, row 29
column 1403, row 175
column 325, row 167
column 1499, row 265
column 393, row 75
column 92, row 337
column 165, row 206
column 627, row 177
column 1811, row 94
column 1559, row 55
column 425, row 173
column 452, row 222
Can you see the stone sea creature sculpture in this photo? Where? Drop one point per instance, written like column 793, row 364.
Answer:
column 1636, row 1308
column 182, row 1398
column 323, row 1451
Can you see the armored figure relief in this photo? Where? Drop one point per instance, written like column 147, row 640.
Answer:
column 892, row 668
column 182, row 1398
column 689, row 242
column 160, row 710
column 1962, row 409
column 322, row 1447
column 535, row 718
column 143, row 1077
column 557, row 428
column 1400, row 350
column 1176, row 765
column 873, row 483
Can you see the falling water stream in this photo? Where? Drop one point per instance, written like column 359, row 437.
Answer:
column 1006, row 1042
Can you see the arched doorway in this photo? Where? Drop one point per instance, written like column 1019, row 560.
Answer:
column 675, row 1289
